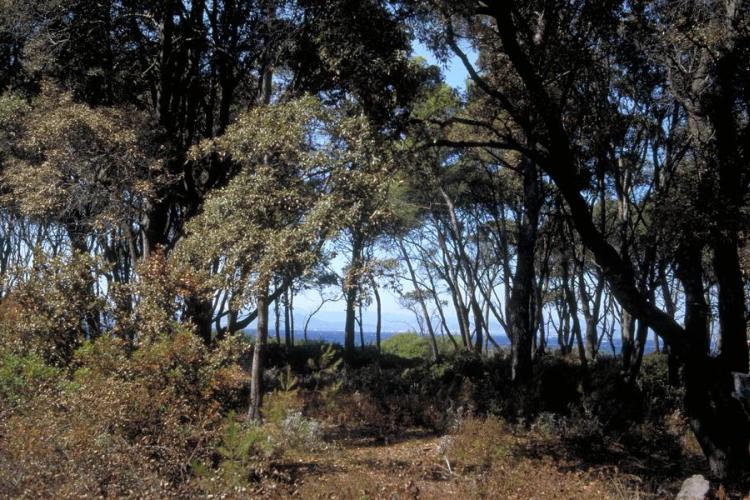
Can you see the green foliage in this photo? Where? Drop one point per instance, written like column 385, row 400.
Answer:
column 304, row 173
column 92, row 168
column 413, row 346
column 22, row 377
column 244, row 450
column 54, row 307
column 326, row 368
column 127, row 419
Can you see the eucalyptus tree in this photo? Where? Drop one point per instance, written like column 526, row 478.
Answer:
column 549, row 67
column 303, row 172
column 190, row 67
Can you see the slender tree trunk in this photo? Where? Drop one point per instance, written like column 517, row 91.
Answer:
column 287, row 337
column 277, row 320
column 573, row 310
column 467, row 268
column 420, row 300
column 361, row 327
column 641, row 336
column 673, row 364
column 291, row 313
column 261, row 338
column 378, row 310
column 351, row 286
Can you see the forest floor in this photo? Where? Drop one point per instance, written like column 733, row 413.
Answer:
column 498, row 463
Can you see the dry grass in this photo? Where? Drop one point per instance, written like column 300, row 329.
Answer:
column 482, row 458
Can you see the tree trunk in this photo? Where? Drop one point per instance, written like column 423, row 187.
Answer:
column 287, row 337
column 519, row 318
column 351, row 286
column 261, row 337
column 467, row 270
column 378, row 310
column 733, row 349
column 420, row 299
column 573, row 310
column 291, row 313
column 361, row 327
column 277, row 320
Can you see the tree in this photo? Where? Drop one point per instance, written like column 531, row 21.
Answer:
column 555, row 60
column 304, row 168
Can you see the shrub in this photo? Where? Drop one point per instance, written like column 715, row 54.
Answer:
column 128, row 422
column 54, row 308
column 244, row 452
column 23, row 377
column 301, row 433
column 413, row 346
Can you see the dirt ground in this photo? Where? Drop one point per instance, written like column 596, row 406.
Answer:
column 418, row 464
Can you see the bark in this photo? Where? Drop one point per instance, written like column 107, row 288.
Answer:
column 277, row 320
column 441, row 313
column 451, row 278
column 591, row 310
column 361, row 327
column 570, row 296
column 673, row 364
column 291, row 313
column 519, row 318
column 627, row 337
column 287, row 331
column 351, row 286
column 261, row 338
column 378, row 310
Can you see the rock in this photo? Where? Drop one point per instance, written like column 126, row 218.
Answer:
column 694, row 488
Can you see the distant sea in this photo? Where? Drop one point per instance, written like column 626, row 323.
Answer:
column 337, row 337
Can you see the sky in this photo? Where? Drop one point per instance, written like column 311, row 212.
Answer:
column 395, row 317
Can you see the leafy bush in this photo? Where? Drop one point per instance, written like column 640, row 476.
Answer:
column 410, row 345
column 244, row 451
column 53, row 309
column 301, row 433
column 23, row 377
column 125, row 423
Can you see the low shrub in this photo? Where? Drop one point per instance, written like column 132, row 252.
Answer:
column 24, row 377
column 243, row 455
column 123, row 422
column 410, row 345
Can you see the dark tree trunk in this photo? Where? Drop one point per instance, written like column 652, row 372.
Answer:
column 570, row 296
column 627, row 337
column 287, row 331
column 733, row 348
column 198, row 309
column 640, row 336
column 519, row 318
column 261, row 338
column 378, row 310
column 361, row 327
column 291, row 313
column 351, row 286
column 277, row 320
